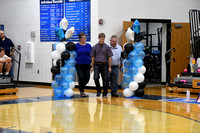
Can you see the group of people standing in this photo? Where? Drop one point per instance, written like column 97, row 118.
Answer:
column 103, row 59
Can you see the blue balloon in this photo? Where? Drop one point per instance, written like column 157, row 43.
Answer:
column 128, row 77
column 59, row 33
column 54, row 45
column 65, row 85
column 55, row 85
column 136, row 26
column 72, row 70
column 133, row 70
column 132, row 55
column 125, row 70
column 127, row 63
column 141, row 54
column 138, row 46
column 69, row 78
column 64, row 70
column 73, row 54
column 138, row 63
column 70, row 63
column 124, row 85
column 58, row 92
column 58, row 77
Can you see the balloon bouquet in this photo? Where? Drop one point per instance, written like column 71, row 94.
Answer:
column 63, row 56
column 133, row 69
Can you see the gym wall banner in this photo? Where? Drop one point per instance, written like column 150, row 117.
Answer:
column 77, row 12
column 1, row 27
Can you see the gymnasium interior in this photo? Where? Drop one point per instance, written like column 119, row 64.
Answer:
column 167, row 96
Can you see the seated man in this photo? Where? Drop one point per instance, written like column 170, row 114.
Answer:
column 5, row 62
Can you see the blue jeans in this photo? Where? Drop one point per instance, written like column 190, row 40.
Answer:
column 103, row 70
column 113, row 78
column 83, row 72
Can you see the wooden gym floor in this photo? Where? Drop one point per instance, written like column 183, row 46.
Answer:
column 33, row 109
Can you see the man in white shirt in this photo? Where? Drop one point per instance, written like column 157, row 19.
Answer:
column 5, row 62
column 116, row 64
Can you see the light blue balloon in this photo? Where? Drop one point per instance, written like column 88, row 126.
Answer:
column 58, row 92
column 133, row 70
column 125, row 70
column 70, row 63
column 69, row 78
column 54, row 45
column 73, row 54
column 58, row 77
column 128, row 78
column 59, row 33
column 55, row 85
column 136, row 26
column 138, row 63
column 64, row 70
column 141, row 54
column 72, row 70
column 127, row 63
column 132, row 55
column 138, row 46
column 124, row 85
column 65, row 85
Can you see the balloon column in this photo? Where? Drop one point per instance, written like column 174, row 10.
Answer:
column 63, row 56
column 133, row 69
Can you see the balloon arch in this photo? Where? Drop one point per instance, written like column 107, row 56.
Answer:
column 63, row 56
column 133, row 67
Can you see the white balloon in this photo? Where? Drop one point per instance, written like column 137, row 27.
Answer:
column 60, row 47
column 72, row 85
column 133, row 86
column 64, row 23
column 54, row 62
column 129, row 35
column 139, row 78
column 68, row 92
column 142, row 69
column 127, row 92
column 69, row 33
column 55, row 55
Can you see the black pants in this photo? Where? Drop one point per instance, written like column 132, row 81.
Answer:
column 103, row 70
column 83, row 71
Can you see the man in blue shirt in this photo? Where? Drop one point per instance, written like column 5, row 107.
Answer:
column 116, row 64
column 8, row 45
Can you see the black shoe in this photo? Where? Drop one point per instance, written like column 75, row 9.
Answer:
column 98, row 94
column 83, row 94
column 1, row 76
column 114, row 95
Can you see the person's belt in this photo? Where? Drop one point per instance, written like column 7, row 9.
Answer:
column 100, row 62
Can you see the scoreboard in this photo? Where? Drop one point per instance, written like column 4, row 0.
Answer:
column 77, row 12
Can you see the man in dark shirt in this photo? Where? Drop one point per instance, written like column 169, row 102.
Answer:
column 8, row 45
column 101, row 63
